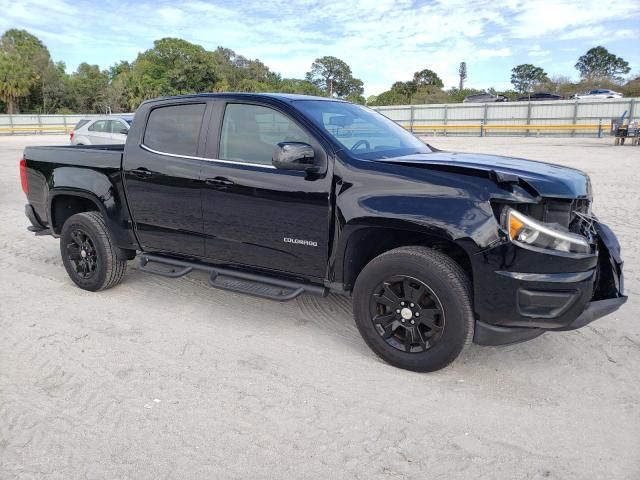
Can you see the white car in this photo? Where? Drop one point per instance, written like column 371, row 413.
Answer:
column 600, row 93
column 101, row 131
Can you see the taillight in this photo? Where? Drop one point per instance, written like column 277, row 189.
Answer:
column 71, row 136
column 23, row 176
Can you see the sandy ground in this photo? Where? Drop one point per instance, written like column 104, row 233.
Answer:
column 161, row 378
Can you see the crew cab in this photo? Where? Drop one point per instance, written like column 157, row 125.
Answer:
column 278, row 195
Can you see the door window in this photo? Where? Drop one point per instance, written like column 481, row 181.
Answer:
column 251, row 132
column 117, row 126
column 99, row 126
column 175, row 129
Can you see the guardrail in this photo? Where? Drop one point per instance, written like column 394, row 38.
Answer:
column 559, row 117
column 483, row 129
column 36, row 129
column 26, row 123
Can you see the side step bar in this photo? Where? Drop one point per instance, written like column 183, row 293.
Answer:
column 254, row 284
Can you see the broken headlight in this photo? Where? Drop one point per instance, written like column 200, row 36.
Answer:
column 526, row 230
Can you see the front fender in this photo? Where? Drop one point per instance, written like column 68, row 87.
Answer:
column 450, row 204
column 439, row 205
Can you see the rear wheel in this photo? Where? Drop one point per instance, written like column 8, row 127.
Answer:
column 88, row 253
column 412, row 306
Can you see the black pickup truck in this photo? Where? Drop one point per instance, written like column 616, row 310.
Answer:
column 275, row 195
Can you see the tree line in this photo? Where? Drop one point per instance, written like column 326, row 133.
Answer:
column 32, row 82
column 598, row 68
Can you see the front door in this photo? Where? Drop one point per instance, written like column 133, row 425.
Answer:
column 255, row 214
column 162, row 180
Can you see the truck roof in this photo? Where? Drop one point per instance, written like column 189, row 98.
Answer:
column 286, row 97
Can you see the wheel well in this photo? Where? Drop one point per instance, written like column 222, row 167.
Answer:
column 63, row 206
column 367, row 243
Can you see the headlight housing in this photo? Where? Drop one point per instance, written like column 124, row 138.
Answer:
column 525, row 230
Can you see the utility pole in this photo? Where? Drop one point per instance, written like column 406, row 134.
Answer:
column 463, row 74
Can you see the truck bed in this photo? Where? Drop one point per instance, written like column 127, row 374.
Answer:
column 100, row 156
column 97, row 168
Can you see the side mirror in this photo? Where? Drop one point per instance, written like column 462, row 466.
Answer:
column 294, row 156
column 124, row 131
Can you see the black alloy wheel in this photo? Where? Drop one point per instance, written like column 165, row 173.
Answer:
column 407, row 314
column 413, row 307
column 88, row 252
column 82, row 254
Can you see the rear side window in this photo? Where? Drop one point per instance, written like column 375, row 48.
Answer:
column 175, row 129
column 81, row 124
column 99, row 126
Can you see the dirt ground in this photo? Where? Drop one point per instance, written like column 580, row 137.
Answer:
column 161, row 378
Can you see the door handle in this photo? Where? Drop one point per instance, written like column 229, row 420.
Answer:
column 219, row 182
column 142, row 172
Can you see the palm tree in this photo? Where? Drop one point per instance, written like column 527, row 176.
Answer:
column 15, row 82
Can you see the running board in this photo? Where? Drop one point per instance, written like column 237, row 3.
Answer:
column 254, row 284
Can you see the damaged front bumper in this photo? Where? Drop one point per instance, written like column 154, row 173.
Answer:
column 609, row 288
column 523, row 293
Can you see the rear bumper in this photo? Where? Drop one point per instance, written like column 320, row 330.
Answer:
column 516, row 302
column 36, row 225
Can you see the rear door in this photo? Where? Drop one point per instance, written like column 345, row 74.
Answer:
column 99, row 132
column 253, row 213
column 116, row 127
column 162, row 179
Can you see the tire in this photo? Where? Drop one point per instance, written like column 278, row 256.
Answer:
column 434, row 324
column 88, row 253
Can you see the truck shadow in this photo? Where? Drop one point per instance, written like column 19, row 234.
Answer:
column 332, row 317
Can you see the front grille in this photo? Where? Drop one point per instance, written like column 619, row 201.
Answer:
column 562, row 212
column 582, row 205
column 585, row 225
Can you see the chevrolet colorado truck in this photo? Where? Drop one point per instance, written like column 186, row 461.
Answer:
column 276, row 195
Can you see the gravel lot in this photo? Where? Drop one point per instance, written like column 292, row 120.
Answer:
column 161, row 378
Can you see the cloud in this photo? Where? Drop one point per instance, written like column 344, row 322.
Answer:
column 537, row 51
column 490, row 53
column 382, row 40
column 544, row 17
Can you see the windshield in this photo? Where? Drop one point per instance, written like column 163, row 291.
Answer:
column 364, row 132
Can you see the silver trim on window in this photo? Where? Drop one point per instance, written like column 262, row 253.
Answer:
column 217, row 160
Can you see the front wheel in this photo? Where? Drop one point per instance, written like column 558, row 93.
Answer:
column 412, row 306
column 88, row 253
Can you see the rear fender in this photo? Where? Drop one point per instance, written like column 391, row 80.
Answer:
column 97, row 187
column 81, row 140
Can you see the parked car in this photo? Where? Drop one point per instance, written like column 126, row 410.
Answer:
column 540, row 96
column 599, row 93
column 484, row 98
column 101, row 131
column 274, row 195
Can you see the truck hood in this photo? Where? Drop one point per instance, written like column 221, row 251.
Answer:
column 546, row 178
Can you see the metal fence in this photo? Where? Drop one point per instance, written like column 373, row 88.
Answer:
column 558, row 117
column 29, row 124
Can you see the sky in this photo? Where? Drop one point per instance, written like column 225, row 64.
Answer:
column 383, row 41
